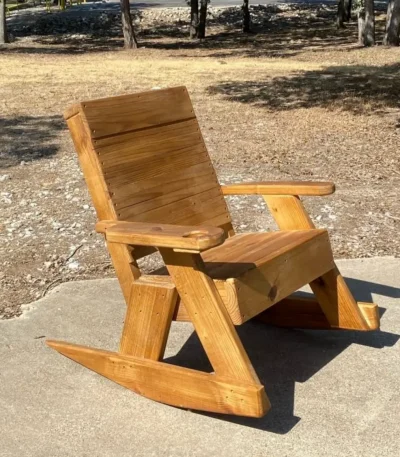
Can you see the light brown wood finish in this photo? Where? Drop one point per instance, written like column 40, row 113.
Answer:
column 260, row 288
column 144, row 160
column 330, row 289
column 150, row 153
column 121, row 255
column 209, row 316
column 165, row 383
column 124, row 113
column 280, row 188
column 185, row 237
column 148, row 319
column 147, row 166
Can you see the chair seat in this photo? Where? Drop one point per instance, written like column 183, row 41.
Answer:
column 253, row 271
column 244, row 252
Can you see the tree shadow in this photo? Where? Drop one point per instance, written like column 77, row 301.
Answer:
column 283, row 357
column 355, row 88
column 28, row 138
column 284, row 36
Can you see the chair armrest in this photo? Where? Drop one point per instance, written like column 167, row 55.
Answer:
column 179, row 237
column 280, row 188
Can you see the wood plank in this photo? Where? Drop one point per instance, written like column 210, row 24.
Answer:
column 188, row 211
column 148, row 319
column 260, row 288
column 161, row 235
column 122, row 144
column 176, row 161
column 121, row 256
column 225, row 290
column 280, row 188
column 125, row 267
column 91, row 169
column 288, row 212
column 248, row 251
column 171, row 192
column 196, row 178
column 330, row 289
column 305, row 312
column 114, row 115
column 209, row 316
column 170, row 384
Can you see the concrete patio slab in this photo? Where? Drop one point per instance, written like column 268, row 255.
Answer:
column 332, row 393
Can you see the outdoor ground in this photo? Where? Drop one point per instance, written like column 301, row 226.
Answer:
column 297, row 100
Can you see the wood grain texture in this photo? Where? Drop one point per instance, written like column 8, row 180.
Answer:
column 190, row 238
column 170, row 384
column 253, row 271
column 149, row 154
column 260, row 288
column 330, row 289
column 125, row 113
column 288, row 212
column 123, row 261
column 280, row 188
column 148, row 319
column 209, row 316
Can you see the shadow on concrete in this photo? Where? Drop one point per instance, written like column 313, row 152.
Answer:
column 284, row 357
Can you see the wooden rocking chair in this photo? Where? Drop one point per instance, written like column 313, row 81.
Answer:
column 154, row 188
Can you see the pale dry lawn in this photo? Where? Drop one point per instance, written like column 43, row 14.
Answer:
column 326, row 111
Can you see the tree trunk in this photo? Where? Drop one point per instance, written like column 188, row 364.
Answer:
column 246, row 16
column 366, row 24
column 347, row 10
column 127, row 27
column 343, row 13
column 203, row 18
column 194, row 18
column 392, row 32
column 340, row 17
column 3, row 29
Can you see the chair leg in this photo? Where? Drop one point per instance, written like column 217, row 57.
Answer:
column 148, row 319
column 234, row 387
column 209, row 315
column 331, row 291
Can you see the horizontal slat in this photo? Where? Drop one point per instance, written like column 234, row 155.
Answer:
column 156, row 163
column 202, row 206
column 163, row 138
column 196, row 178
column 150, row 169
column 110, row 116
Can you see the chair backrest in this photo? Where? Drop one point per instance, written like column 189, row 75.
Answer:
column 144, row 159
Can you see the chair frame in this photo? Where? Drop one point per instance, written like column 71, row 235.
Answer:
column 190, row 294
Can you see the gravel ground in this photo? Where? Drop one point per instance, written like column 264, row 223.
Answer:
column 288, row 102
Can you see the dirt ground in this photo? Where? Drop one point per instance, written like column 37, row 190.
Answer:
column 296, row 100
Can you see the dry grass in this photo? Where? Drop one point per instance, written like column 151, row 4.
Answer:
column 319, row 108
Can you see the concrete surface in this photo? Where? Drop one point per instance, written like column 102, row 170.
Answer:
column 333, row 393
